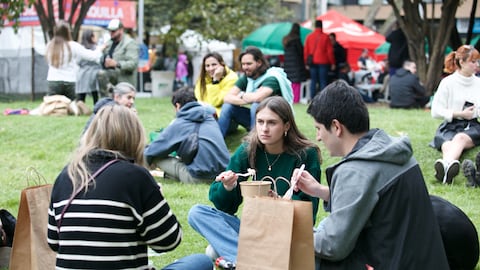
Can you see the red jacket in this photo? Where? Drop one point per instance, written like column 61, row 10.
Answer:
column 318, row 44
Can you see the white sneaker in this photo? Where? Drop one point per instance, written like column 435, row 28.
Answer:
column 452, row 170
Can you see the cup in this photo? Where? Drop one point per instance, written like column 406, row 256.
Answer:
column 255, row 188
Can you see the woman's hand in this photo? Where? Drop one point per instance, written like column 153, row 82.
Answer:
column 468, row 113
column 229, row 180
column 218, row 74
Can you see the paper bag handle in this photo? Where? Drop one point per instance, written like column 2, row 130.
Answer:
column 35, row 177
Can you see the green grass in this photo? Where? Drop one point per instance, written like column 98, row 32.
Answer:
column 46, row 143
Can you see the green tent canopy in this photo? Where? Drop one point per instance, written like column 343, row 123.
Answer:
column 268, row 38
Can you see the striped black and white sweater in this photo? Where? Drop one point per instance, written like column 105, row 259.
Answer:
column 111, row 225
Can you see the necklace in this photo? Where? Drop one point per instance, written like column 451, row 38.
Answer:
column 268, row 161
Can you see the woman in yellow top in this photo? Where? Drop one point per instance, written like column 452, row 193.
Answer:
column 214, row 82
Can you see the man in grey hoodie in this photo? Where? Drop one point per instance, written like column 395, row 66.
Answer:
column 380, row 216
column 212, row 156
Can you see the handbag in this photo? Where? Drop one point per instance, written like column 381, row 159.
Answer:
column 188, row 148
column 275, row 234
column 7, row 229
column 30, row 250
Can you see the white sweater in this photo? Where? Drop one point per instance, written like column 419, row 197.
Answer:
column 67, row 72
column 452, row 93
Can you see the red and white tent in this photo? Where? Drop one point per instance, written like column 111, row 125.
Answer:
column 351, row 35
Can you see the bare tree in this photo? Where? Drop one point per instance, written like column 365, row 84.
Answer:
column 420, row 29
column 471, row 21
column 46, row 15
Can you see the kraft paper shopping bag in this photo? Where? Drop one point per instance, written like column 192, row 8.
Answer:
column 30, row 250
column 275, row 234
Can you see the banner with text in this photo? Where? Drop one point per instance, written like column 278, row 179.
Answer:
column 99, row 14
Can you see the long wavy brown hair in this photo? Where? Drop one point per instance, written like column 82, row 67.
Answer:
column 293, row 34
column 56, row 46
column 294, row 143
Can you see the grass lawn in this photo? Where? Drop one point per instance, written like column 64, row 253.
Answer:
column 46, row 143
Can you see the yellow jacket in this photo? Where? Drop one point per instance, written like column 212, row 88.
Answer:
column 215, row 92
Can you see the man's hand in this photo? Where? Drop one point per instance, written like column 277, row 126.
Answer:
column 110, row 63
column 309, row 185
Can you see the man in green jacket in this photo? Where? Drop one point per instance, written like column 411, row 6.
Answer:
column 120, row 60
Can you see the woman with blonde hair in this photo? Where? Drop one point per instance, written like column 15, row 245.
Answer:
column 214, row 81
column 62, row 55
column 457, row 102
column 105, row 206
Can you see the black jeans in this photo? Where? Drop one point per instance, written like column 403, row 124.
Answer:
column 61, row 88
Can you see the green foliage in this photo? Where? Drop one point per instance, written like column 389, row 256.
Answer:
column 10, row 11
column 225, row 20
column 46, row 143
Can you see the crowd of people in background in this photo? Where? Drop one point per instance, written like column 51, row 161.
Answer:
column 259, row 99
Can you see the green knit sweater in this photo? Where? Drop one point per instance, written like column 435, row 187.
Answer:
column 282, row 169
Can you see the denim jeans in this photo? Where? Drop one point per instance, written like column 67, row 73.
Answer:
column 192, row 262
column 238, row 114
column 218, row 228
column 318, row 75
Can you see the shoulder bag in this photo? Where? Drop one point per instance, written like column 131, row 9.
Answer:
column 189, row 147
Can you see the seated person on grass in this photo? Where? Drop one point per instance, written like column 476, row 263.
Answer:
column 122, row 94
column 406, row 91
column 274, row 148
column 259, row 82
column 380, row 209
column 212, row 156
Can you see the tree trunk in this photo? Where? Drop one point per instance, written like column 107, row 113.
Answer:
column 471, row 22
column 418, row 30
column 47, row 19
column 439, row 43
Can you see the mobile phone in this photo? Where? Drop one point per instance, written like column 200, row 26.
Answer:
column 467, row 104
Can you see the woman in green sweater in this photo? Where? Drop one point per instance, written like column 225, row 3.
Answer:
column 274, row 148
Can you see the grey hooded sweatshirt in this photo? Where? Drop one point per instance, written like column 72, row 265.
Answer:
column 380, row 211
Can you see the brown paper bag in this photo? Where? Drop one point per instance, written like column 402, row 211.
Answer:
column 275, row 234
column 30, row 250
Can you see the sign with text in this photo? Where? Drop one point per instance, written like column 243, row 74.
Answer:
column 99, row 14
